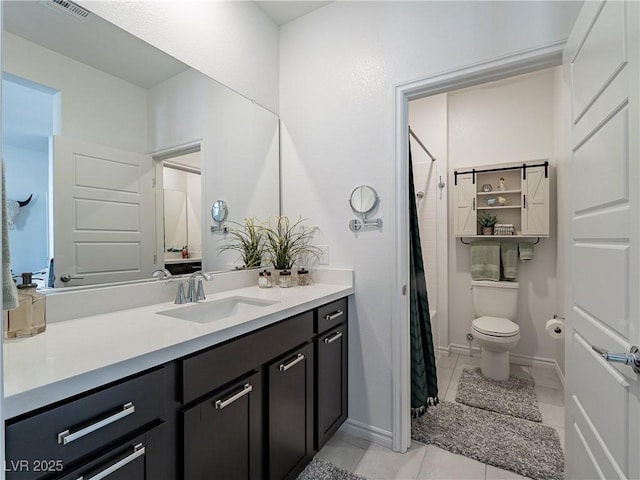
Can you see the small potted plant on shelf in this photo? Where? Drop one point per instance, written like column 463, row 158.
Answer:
column 487, row 221
column 248, row 239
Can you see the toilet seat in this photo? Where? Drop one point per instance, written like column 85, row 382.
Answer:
column 496, row 326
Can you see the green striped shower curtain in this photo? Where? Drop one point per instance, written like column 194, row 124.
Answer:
column 424, row 381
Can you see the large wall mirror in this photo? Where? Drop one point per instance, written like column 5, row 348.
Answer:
column 91, row 117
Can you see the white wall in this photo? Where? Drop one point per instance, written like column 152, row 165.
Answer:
column 338, row 69
column 233, row 42
column 513, row 120
column 96, row 107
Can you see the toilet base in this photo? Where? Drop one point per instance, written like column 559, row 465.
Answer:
column 495, row 364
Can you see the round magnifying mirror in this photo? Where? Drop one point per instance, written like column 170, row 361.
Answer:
column 219, row 211
column 363, row 199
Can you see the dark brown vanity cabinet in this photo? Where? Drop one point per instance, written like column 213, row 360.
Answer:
column 291, row 406
column 223, row 434
column 331, row 369
column 93, row 433
column 256, row 407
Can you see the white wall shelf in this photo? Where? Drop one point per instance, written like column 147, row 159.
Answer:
column 526, row 195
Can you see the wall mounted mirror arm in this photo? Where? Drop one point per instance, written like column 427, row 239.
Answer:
column 363, row 200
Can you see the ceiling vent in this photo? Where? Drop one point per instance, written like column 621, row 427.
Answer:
column 72, row 10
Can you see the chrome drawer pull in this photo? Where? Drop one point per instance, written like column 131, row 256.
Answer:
column 284, row 367
column 68, row 437
column 220, row 404
column 333, row 338
column 138, row 451
column 334, row 315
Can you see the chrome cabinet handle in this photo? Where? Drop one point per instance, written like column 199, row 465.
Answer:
column 220, row 404
column 333, row 338
column 68, row 437
column 334, row 315
column 284, row 367
column 138, row 451
column 632, row 358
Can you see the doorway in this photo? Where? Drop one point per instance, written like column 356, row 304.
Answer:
column 448, row 81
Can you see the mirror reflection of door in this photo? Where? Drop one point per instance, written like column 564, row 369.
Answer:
column 182, row 191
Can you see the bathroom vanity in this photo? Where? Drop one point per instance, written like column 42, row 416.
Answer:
column 252, row 395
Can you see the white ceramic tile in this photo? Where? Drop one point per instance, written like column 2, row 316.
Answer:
column 343, row 454
column 380, row 463
column 552, row 414
column 552, row 396
column 439, row 464
column 352, row 439
column 450, row 395
column 446, row 362
column 545, row 377
column 494, row 473
column 444, row 378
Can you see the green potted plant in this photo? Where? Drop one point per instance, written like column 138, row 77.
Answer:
column 487, row 221
column 248, row 239
column 288, row 243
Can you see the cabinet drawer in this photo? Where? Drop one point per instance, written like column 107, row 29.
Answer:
column 330, row 315
column 209, row 370
column 75, row 429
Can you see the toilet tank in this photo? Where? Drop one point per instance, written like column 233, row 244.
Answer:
column 495, row 299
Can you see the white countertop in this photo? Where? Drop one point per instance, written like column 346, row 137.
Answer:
column 74, row 356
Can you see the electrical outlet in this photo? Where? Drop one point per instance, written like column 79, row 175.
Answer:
column 324, row 255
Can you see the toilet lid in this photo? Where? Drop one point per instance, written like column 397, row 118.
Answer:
column 495, row 326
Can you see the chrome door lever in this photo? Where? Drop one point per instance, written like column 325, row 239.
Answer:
column 632, row 358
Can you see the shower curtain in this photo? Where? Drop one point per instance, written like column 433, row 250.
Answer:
column 424, row 380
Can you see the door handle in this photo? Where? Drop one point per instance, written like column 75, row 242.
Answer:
column 138, row 451
column 67, row 437
column 286, row 366
column 65, row 277
column 632, row 358
column 334, row 315
column 220, row 404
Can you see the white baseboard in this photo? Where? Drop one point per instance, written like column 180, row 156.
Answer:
column 516, row 358
column 368, row 432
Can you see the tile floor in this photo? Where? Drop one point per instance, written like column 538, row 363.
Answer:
column 430, row 462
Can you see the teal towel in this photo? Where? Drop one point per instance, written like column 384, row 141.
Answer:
column 509, row 252
column 485, row 260
column 526, row 251
column 9, row 291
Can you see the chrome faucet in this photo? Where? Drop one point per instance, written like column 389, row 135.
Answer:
column 196, row 290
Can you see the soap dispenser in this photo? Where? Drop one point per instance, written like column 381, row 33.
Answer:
column 29, row 317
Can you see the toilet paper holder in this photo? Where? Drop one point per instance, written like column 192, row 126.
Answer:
column 558, row 317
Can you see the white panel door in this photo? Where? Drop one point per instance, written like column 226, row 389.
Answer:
column 535, row 202
column 465, row 214
column 104, row 213
column 602, row 398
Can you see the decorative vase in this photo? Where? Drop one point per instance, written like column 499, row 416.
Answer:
column 487, row 230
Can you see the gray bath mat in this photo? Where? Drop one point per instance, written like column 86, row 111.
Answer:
column 515, row 397
column 321, row 470
column 526, row 448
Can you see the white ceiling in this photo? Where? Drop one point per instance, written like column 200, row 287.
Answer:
column 284, row 11
column 92, row 41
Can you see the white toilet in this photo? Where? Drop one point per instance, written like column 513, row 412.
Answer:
column 495, row 305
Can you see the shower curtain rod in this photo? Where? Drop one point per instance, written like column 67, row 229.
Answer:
column 412, row 133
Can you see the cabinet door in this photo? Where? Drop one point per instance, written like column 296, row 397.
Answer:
column 331, row 368
column 535, row 202
column 222, row 434
column 465, row 216
column 291, row 413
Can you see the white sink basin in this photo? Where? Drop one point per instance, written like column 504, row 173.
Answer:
column 218, row 309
